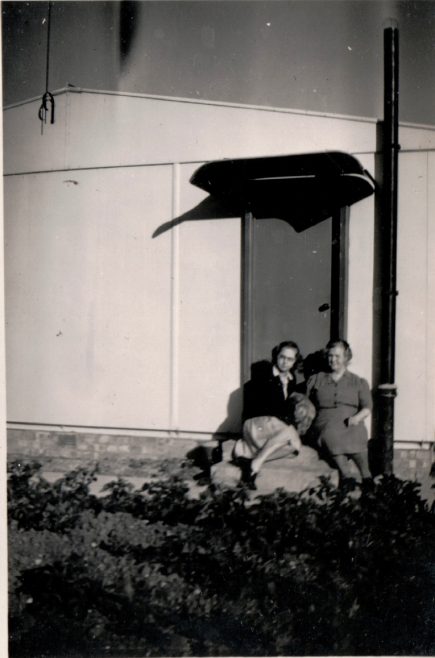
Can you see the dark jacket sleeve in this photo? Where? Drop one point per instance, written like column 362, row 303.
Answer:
column 264, row 397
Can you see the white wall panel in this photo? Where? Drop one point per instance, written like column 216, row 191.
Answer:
column 430, row 320
column 360, row 284
column 113, row 129
column 209, row 318
column 412, row 283
column 417, row 138
column 110, row 326
column 29, row 145
column 88, row 292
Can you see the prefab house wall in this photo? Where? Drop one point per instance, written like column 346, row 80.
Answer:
column 415, row 338
column 123, row 293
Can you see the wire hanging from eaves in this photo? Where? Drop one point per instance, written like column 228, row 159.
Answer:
column 47, row 105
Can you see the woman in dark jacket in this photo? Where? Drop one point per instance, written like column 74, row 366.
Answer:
column 273, row 413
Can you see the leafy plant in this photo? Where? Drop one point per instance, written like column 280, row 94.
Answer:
column 156, row 572
column 35, row 503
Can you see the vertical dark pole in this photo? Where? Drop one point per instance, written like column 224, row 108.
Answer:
column 387, row 389
column 339, row 272
column 247, row 291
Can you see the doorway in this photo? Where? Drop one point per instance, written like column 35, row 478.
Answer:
column 293, row 283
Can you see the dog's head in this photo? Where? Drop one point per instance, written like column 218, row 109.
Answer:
column 304, row 412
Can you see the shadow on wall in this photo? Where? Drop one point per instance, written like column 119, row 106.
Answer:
column 314, row 362
column 295, row 213
column 208, row 208
column 231, row 426
column 128, row 18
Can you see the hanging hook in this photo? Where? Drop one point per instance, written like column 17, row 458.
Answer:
column 42, row 112
column 47, row 97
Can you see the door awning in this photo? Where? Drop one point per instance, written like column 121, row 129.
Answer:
column 300, row 189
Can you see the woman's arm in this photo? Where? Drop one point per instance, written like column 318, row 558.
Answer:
column 365, row 404
column 359, row 417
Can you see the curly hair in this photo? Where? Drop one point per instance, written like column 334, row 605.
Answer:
column 339, row 342
column 287, row 343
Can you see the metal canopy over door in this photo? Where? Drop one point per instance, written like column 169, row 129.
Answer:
column 293, row 276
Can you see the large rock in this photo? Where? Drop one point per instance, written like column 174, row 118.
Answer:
column 225, row 474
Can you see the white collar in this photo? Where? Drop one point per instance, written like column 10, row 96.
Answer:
column 278, row 373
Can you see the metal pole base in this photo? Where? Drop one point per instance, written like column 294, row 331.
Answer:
column 386, row 394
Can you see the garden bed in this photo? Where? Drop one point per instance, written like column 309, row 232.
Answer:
column 155, row 572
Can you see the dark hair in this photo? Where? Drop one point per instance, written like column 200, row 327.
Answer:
column 339, row 342
column 287, row 343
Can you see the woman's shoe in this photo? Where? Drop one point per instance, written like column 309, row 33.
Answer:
column 250, row 481
column 248, row 477
column 367, row 485
column 347, row 484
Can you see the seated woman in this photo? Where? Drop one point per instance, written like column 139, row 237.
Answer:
column 342, row 400
column 273, row 410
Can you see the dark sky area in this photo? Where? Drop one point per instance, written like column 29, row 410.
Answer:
column 315, row 55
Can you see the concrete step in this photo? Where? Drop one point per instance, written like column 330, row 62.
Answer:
column 295, row 474
column 290, row 473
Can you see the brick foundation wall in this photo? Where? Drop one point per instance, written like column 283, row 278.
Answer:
column 66, row 450
column 63, row 451
column 413, row 464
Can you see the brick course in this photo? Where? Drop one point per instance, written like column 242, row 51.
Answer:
column 122, row 453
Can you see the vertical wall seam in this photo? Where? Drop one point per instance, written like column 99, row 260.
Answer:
column 66, row 142
column 175, row 302
column 428, row 348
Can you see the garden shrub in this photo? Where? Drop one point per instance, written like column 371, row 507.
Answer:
column 154, row 572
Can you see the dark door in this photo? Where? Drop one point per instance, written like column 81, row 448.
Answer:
column 293, row 283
